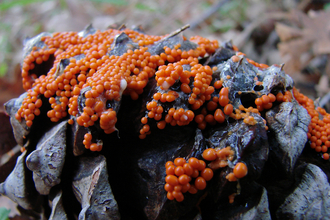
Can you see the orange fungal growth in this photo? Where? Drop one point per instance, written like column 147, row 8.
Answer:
column 207, row 174
column 223, row 156
column 168, row 163
column 318, row 128
column 172, row 180
column 235, row 58
column 231, row 177
column 179, row 161
column 209, row 154
column 231, row 197
column 240, row 170
column 95, row 147
column 200, row 183
column 193, row 162
column 109, row 76
column 228, row 109
column 219, row 116
column 225, row 153
column 217, row 84
column 182, row 176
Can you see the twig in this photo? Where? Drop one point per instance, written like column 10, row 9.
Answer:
column 176, row 32
column 208, row 13
column 6, row 157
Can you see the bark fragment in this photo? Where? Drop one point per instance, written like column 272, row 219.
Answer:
column 288, row 123
column 92, row 189
column 310, row 200
column 47, row 161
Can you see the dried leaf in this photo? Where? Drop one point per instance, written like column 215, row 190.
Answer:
column 292, row 59
column 285, row 32
column 306, row 36
column 47, row 160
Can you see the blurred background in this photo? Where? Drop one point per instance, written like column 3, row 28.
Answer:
column 293, row 32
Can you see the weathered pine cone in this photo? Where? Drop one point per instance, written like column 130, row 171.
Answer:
column 121, row 124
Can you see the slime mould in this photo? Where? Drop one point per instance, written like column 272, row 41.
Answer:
column 120, row 124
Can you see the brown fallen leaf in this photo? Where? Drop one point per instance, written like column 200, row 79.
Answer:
column 303, row 38
column 287, row 32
